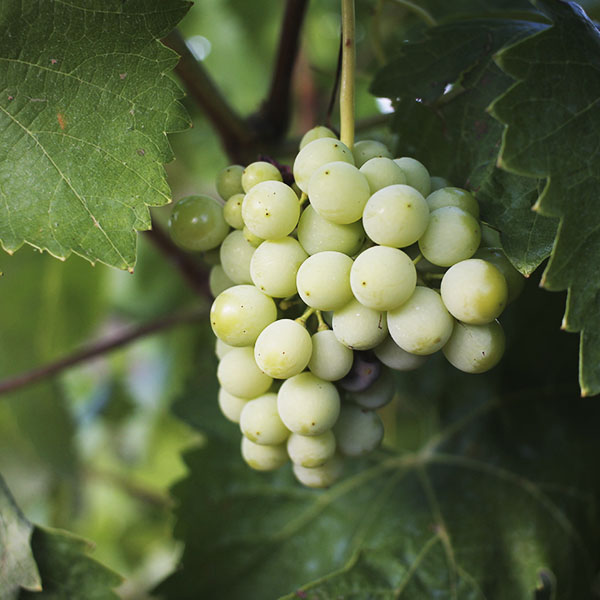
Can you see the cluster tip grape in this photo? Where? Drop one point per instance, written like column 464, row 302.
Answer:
column 364, row 265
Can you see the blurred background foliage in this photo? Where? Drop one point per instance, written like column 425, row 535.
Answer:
column 96, row 449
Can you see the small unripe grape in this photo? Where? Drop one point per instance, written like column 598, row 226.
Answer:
column 367, row 149
column 229, row 182
column 257, row 172
column 232, row 211
column 416, row 173
column 260, row 421
column 262, row 457
column 320, row 131
column 311, row 451
column 197, row 223
column 235, row 254
column 239, row 374
column 320, row 477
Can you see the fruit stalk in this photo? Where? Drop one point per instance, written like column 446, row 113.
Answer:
column 348, row 69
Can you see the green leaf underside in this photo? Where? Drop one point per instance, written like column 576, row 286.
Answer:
column 553, row 126
column 17, row 565
column 452, row 133
column 481, row 510
column 85, row 105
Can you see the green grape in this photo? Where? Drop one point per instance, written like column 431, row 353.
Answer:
column 358, row 431
column 320, row 477
column 236, row 253
column 453, row 196
column 231, row 406
column 422, row 325
column 394, row 357
column 378, row 394
column 211, row 257
column 274, row 266
column 451, row 236
column 490, row 237
column 232, row 211
column 438, row 183
column 323, row 280
column 330, row 360
column 270, row 210
column 257, row 172
column 475, row 348
column 338, row 191
column 229, row 182
column 283, row 349
column 240, row 313
column 316, row 154
column 381, row 172
column 311, row 451
column 260, row 421
column 218, row 281
column 252, row 239
column 515, row 282
column 416, row 173
column 221, row 348
column 239, row 374
column 307, row 404
column 474, row 291
column 396, row 216
column 383, row 278
column 320, row 131
column 367, row 149
column 263, row 458
column 316, row 234
column 359, row 327
column 197, row 223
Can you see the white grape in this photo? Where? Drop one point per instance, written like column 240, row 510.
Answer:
column 320, row 477
column 438, row 183
column 235, row 254
column 515, row 282
column 218, row 280
column 320, row 131
column 359, row 327
column 239, row 374
column 231, row 406
column 283, row 349
column 358, row 431
column 381, row 172
column 453, row 196
column 311, row 450
column 232, row 211
column 229, row 181
column 257, row 172
column 416, row 173
column 263, row 458
column 330, row 359
column 394, row 357
column 260, row 421
column 367, row 149
column 221, row 348
column 252, row 239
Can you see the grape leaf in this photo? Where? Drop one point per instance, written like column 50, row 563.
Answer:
column 85, row 105
column 452, row 74
column 17, row 565
column 553, row 122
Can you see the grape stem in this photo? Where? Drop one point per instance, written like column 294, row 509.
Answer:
column 348, row 74
column 417, row 258
column 322, row 325
column 305, row 316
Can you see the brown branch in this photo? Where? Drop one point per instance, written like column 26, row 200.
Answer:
column 99, row 348
column 194, row 273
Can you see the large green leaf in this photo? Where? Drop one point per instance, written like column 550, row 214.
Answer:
column 451, row 131
column 553, row 121
column 17, row 565
column 85, row 107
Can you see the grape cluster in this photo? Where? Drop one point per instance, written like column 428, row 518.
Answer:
column 363, row 264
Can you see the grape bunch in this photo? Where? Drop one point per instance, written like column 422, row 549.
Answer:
column 361, row 265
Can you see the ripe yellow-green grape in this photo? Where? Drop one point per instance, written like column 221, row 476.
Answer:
column 394, row 357
column 416, row 173
column 262, row 457
column 229, row 181
column 453, row 196
column 330, row 359
column 320, row 131
column 232, row 211
column 260, row 421
column 381, row 172
column 359, row 327
column 218, row 280
column 311, row 451
column 231, row 406
column 235, row 254
column 239, row 374
column 257, row 172
column 367, row 149
column 323, row 476
column 514, row 280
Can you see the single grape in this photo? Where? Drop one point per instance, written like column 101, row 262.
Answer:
column 378, row 394
column 416, row 173
column 365, row 370
column 474, row 291
column 239, row 374
column 515, row 282
column 229, row 182
column 475, row 348
column 252, row 239
column 307, row 404
column 240, row 313
column 283, row 349
column 338, row 191
column 257, row 172
column 316, row 234
column 359, row 327
column 263, row 458
column 383, row 278
column 320, row 131
column 221, row 348
column 396, row 216
column 320, row 477
column 323, row 280
column 452, row 235
column 311, row 450
column 260, row 421
column 453, row 196
column 236, row 253
column 490, row 237
column 197, row 223
column 271, row 210
column 394, row 357
column 438, row 183
column 422, row 325
column 330, row 360
column 367, row 149
column 275, row 264
column 232, row 211
column 218, row 281
column 381, row 172
column 231, row 406
column 316, row 154
column 358, row 431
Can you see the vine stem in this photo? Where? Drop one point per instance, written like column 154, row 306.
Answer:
column 98, row 349
column 348, row 74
